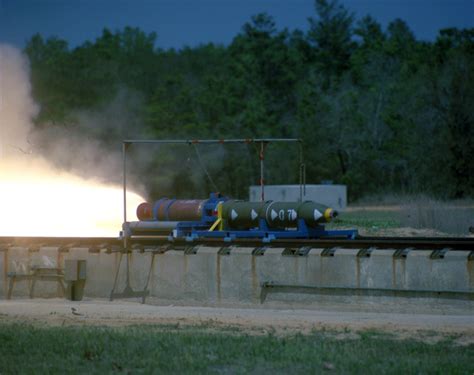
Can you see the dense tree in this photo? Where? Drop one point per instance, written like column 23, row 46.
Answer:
column 49, row 77
column 331, row 34
column 453, row 102
column 376, row 108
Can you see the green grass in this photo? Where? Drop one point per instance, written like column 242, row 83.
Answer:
column 371, row 220
column 172, row 349
column 453, row 217
column 443, row 217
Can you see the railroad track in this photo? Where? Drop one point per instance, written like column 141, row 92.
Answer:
column 439, row 244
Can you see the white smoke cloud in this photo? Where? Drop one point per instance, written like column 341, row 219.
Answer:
column 90, row 144
column 17, row 108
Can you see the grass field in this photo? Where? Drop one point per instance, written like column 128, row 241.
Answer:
column 370, row 220
column 174, row 349
column 409, row 216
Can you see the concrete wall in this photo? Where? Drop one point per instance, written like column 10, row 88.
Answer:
column 334, row 196
column 210, row 277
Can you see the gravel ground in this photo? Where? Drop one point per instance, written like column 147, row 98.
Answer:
column 424, row 326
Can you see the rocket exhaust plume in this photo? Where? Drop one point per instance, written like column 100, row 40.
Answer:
column 37, row 199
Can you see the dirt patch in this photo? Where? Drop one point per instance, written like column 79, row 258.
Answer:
column 344, row 325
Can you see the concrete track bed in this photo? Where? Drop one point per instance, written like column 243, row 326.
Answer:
column 210, row 276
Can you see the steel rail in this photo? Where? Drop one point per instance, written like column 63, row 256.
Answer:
column 413, row 243
column 387, row 243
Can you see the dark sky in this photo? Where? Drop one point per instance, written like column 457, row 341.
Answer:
column 190, row 22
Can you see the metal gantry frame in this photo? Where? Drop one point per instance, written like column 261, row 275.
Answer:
column 262, row 141
column 128, row 291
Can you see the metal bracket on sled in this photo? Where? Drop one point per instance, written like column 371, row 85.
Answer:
column 440, row 253
column 329, row 252
column 402, row 253
column 297, row 251
column 366, row 252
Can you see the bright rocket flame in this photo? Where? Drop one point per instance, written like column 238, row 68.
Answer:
column 35, row 198
column 37, row 201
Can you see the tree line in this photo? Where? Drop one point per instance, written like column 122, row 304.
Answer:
column 376, row 108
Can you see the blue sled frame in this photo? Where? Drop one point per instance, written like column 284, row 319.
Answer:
column 196, row 230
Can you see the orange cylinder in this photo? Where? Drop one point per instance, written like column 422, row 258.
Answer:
column 178, row 210
column 145, row 211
